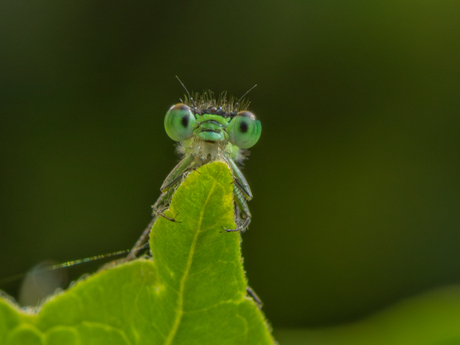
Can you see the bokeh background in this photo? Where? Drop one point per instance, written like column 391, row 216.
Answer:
column 356, row 176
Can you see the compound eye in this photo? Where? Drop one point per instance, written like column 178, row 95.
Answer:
column 180, row 122
column 244, row 130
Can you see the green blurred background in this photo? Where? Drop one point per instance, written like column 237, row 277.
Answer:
column 356, row 176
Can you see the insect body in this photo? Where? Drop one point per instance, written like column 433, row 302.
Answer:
column 208, row 130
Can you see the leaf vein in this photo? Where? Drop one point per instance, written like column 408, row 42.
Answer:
column 180, row 302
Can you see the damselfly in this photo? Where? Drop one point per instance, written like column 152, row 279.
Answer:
column 208, row 129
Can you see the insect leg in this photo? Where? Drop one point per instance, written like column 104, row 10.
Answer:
column 243, row 214
column 174, row 177
column 254, row 296
column 240, row 180
column 176, row 174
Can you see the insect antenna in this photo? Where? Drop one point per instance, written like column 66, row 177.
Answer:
column 242, row 97
column 188, row 93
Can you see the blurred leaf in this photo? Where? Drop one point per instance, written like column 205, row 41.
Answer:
column 192, row 292
column 430, row 319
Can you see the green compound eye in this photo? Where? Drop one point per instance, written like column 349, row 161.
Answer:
column 244, row 130
column 180, row 122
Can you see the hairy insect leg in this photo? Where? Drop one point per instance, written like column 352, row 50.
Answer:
column 239, row 179
column 254, row 296
column 141, row 241
column 243, row 216
column 159, row 204
column 174, row 178
column 161, row 214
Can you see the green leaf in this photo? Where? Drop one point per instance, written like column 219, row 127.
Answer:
column 192, row 292
column 432, row 318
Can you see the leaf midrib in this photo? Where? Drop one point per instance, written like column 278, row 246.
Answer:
column 180, row 306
